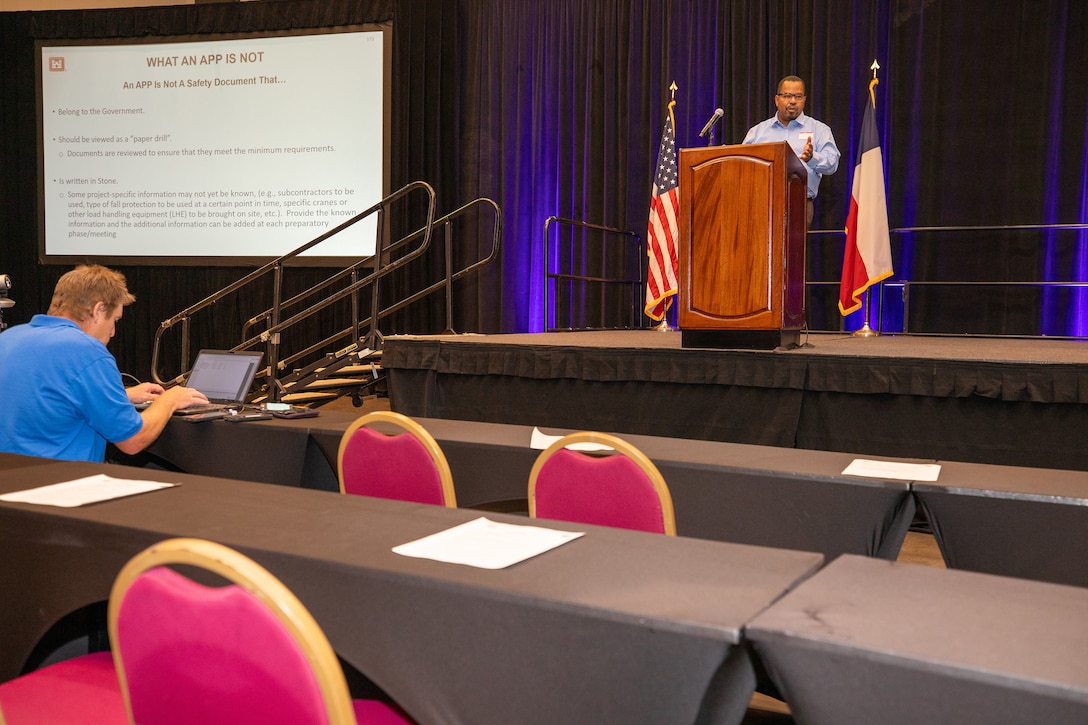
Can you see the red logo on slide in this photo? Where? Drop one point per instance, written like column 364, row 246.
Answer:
column 56, row 64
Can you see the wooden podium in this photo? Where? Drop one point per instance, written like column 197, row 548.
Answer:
column 742, row 246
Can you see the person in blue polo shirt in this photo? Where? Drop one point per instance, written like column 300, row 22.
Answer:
column 63, row 396
column 810, row 139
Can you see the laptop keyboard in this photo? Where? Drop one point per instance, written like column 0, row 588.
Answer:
column 206, row 408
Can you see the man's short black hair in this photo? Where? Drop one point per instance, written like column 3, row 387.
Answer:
column 789, row 79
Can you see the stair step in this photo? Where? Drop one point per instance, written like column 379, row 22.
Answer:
column 332, row 383
column 299, row 398
column 348, row 371
column 359, row 369
column 312, row 397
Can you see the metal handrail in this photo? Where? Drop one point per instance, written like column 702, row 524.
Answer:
column 451, row 276
column 906, row 284
column 270, row 336
column 967, row 228
column 549, row 276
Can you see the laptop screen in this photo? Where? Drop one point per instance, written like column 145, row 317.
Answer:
column 224, row 376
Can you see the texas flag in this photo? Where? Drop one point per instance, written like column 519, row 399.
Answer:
column 867, row 258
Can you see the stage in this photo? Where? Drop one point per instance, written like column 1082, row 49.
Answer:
column 1020, row 402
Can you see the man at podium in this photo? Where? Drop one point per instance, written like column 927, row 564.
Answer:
column 810, row 139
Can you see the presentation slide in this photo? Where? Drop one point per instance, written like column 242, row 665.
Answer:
column 211, row 149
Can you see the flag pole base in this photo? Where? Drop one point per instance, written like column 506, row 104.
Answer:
column 664, row 326
column 865, row 331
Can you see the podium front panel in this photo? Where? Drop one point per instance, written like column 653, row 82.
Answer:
column 742, row 235
column 732, row 194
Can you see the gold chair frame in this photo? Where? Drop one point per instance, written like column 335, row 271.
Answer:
column 407, row 425
column 621, row 447
column 255, row 579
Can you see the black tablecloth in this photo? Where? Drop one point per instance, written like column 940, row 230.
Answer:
column 14, row 460
column 762, row 495
column 1023, row 522
column 617, row 626
column 867, row 641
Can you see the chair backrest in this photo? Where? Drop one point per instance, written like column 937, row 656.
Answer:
column 246, row 652
column 622, row 488
column 407, row 465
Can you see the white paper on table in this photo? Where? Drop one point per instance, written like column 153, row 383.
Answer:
column 541, row 440
column 91, row 489
column 486, row 544
column 892, row 469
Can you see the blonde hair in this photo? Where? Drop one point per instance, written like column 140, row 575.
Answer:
column 78, row 291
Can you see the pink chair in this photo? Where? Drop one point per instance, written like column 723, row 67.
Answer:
column 80, row 690
column 247, row 652
column 620, row 488
column 407, row 465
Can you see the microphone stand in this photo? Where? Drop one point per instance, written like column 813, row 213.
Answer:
column 708, row 129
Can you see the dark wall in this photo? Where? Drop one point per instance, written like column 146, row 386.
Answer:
column 161, row 291
column 555, row 108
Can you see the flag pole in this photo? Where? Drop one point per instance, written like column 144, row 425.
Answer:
column 865, row 330
column 664, row 325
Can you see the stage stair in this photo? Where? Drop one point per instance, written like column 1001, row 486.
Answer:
column 353, row 372
column 353, row 291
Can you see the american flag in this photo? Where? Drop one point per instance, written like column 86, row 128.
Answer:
column 662, row 230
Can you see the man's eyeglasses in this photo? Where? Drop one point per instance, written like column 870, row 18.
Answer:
column 791, row 96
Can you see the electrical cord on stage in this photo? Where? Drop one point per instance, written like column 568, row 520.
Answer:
column 804, row 335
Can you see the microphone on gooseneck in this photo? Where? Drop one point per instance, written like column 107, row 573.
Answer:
column 718, row 113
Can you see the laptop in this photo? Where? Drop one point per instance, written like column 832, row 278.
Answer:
column 224, row 377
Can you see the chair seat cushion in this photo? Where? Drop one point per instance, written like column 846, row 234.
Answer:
column 376, row 712
column 396, row 467
column 80, row 690
column 605, row 491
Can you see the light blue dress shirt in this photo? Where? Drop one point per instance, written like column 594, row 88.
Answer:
column 825, row 154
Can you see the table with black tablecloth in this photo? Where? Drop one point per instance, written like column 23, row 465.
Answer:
column 1010, row 520
column 616, row 626
column 762, row 495
column 264, row 451
column 14, row 460
column 869, row 641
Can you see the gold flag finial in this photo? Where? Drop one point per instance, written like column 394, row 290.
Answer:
column 872, row 84
column 672, row 104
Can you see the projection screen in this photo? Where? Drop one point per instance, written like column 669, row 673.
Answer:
column 211, row 151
